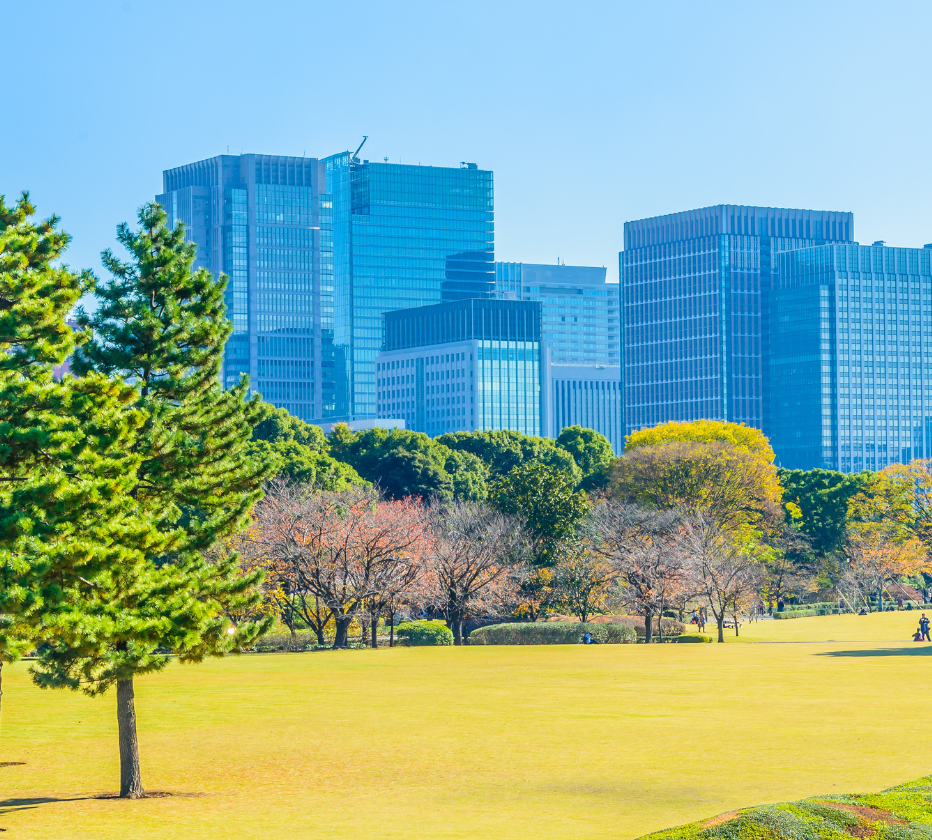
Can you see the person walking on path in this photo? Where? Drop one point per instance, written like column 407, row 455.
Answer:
column 924, row 628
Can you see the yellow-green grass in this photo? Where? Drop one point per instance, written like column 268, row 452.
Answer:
column 506, row 742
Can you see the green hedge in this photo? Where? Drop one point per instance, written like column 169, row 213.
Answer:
column 551, row 633
column 692, row 637
column 271, row 642
column 421, row 633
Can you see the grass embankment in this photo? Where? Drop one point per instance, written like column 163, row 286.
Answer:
column 606, row 741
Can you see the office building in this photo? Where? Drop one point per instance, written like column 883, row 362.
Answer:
column 404, row 236
column 579, row 310
column 467, row 365
column 851, row 357
column 694, row 291
column 265, row 221
column 587, row 396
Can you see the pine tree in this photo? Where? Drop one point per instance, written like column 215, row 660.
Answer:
column 65, row 466
column 162, row 326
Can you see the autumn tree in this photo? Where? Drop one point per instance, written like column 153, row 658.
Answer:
column 643, row 547
column 472, row 562
column 162, row 326
column 582, row 579
column 751, row 440
column 877, row 553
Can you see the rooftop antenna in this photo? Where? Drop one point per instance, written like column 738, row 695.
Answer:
column 355, row 156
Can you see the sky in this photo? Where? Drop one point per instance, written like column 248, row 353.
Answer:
column 590, row 114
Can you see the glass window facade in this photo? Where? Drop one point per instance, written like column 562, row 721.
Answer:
column 403, row 236
column 694, row 309
column 474, row 364
column 851, row 357
column 267, row 223
column 579, row 310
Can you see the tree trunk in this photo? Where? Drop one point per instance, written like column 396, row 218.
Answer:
column 457, row 628
column 721, row 628
column 340, row 632
column 375, row 629
column 130, row 776
column 391, row 629
column 648, row 626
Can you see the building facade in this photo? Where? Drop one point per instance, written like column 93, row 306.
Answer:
column 266, row 222
column 587, row 396
column 851, row 357
column 404, row 236
column 579, row 310
column 468, row 365
column 694, row 292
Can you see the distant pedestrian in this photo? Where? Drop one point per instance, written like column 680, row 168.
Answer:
column 587, row 639
column 780, row 605
column 702, row 619
column 924, row 627
column 694, row 619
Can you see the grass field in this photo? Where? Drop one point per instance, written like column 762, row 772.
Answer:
column 517, row 742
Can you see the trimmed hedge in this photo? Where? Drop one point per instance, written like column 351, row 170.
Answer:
column 692, row 637
column 552, row 633
column 423, row 633
column 272, row 642
column 671, row 627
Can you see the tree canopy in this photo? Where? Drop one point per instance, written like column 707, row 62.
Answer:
column 592, row 453
column 704, row 431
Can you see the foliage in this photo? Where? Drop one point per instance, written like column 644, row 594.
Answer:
column 689, row 638
column 299, row 451
column 503, row 450
column 423, row 633
column 669, row 626
column 816, row 501
column 738, row 435
column 716, row 479
column 592, row 453
column 900, row 498
column 546, row 500
column 582, row 579
column 903, row 812
column 551, row 633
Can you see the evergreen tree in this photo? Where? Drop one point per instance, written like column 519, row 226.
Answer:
column 64, row 460
column 162, row 326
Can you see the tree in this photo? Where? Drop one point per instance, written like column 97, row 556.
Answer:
column 643, row 546
column 724, row 565
column 163, row 326
column 738, row 435
column 503, row 450
column 816, row 501
column 900, row 497
column 345, row 548
column 717, row 479
column 582, row 579
column 592, row 453
column 546, row 500
column 472, row 562
column 65, row 460
column 878, row 554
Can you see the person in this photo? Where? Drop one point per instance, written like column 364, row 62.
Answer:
column 587, row 639
column 917, row 636
column 924, row 628
column 694, row 619
column 702, row 619
column 780, row 605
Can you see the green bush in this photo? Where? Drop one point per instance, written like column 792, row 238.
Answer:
column 692, row 637
column 418, row 633
column 552, row 633
column 271, row 642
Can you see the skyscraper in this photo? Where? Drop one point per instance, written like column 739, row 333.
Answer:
column 851, row 357
column 579, row 310
column 266, row 221
column 466, row 365
column 694, row 290
column 404, row 236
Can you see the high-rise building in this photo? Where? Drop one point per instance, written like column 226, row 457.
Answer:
column 579, row 310
column 467, row 365
column 266, row 221
column 851, row 357
column 694, row 291
column 587, row 396
column 404, row 236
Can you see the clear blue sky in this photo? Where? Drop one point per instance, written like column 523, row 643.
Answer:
column 589, row 113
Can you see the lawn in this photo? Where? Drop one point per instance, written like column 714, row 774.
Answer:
column 485, row 742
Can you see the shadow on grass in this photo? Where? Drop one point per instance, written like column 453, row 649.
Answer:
column 9, row 806
column 912, row 650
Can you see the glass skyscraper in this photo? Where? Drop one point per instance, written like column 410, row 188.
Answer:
column 579, row 310
column 694, row 291
column 467, row 365
column 266, row 221
column 404, row 236
column 851, row 357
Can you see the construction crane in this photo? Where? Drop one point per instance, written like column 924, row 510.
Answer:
column 355, row 156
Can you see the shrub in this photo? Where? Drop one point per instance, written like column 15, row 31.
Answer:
column 303, row 640
column 551, row 633
column 692, row 637
column 671, row 627
column 420, row 633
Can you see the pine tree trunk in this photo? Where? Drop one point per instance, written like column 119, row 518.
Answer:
column 1, row 686
column 130, row 775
